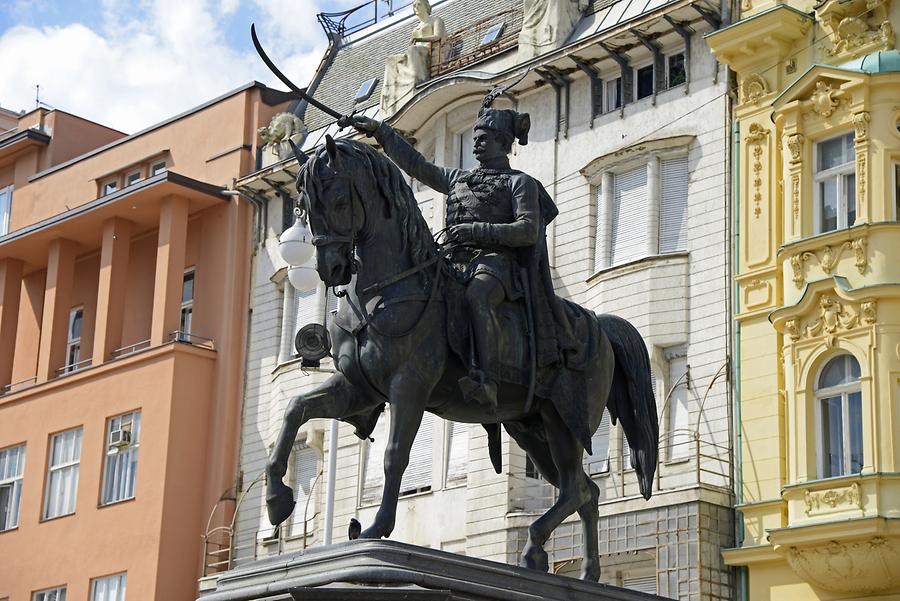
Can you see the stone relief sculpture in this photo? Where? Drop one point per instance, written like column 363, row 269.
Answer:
column 278, row 135
column 546, row 24
column 403, row 71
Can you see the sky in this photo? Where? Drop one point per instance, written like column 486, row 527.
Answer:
column 129, row 64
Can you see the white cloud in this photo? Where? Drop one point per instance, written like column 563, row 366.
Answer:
column 151, row 60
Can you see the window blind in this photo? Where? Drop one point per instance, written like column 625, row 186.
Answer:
column 644, row 584
column 599, row 238
column 373, row 472
column 418, row 473
column 306, row 468
column 629, row 216
column 457, row 452
column 673, row 205
column 679, row 420
column 598, row 463
column 305, row 308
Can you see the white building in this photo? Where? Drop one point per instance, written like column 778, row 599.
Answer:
column 630, row 135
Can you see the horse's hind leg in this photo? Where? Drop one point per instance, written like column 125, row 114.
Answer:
column 574, row 491
column 540, row 455
column 335, row 398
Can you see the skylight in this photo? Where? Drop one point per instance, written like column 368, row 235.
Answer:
column 492, row 34
column 365, row 90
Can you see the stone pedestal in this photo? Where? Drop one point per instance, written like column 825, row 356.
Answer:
column 383, row 570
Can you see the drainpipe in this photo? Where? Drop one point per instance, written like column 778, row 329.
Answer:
column 334, row 44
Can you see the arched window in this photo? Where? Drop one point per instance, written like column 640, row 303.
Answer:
column 839, row 416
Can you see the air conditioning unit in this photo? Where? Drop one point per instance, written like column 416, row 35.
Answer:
column 120, row 438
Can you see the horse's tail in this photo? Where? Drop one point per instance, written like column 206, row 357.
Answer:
column 631, row 398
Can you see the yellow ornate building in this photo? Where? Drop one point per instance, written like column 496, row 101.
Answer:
column 817, row 298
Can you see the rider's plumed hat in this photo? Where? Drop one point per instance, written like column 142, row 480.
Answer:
column 508, row 122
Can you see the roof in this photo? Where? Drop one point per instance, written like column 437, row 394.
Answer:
column 883, row 61
column 270, row 96
column 363, row 59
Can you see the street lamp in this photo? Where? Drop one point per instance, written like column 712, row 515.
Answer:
column 296, row 248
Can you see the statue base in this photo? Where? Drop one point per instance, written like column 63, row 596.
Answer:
column 384, row 570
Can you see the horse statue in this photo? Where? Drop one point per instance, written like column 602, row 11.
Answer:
column 392, row 343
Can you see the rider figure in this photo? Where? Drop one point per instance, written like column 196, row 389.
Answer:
column 496, row 212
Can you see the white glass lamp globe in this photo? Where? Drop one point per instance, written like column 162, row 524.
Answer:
column 295, row 244
column 303, row 278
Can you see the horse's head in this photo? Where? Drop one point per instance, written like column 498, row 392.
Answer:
column 329, row 185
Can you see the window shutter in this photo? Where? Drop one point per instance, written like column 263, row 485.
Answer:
column 598, row 463
column 305, row 309
column 644, row 584
column 673, row 205
column 306, row 468
column 373, row 473
column 418, row 473
column 629, row 216
column 457, row 452
column 679, row 417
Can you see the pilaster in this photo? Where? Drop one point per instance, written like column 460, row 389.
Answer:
column 57, row 303
column 10, row 292
column 111, row 289
column 170, row 253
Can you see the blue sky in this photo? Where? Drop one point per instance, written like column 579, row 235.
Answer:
column 132, row 63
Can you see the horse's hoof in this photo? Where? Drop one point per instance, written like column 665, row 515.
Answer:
column 279, row 502
column 535, row 558
column 370, row 532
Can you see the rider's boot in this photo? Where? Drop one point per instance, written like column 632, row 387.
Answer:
column 480, row 389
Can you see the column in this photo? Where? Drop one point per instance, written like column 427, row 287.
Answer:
column 604, row 222
column 57, row 304
column 111, row 288
column 10, row 292
column 286, row 348
column 653, row 186
column 170, row 249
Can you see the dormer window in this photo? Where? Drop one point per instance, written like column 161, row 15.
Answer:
column 365, row 90
column 492, row 34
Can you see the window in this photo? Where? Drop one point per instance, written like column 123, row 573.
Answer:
column 644, row 82
column 467, row 158
column 613, row 94
column 839, row 404
column 679, row 435
column 109, row 187
column 835, row 184
column 673, row 205
column 12, row 465
column 457, row 452
column 306, row 469
column 187, row 301
column 73, row 343
column 598, row 463
column 630, row 213
column 51, row 594
column 365, row 90
column 109, row 588
column 491, row 35
column 157, row 168
column 123, row 436
column 132, row 178
column 5, row 209
column 62, row 473
column 416, row 478
column 675, row 70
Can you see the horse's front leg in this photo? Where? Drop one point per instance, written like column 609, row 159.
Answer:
column 407, row 407
column 335, row 398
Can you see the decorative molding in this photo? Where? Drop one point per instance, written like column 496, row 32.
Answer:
column 821, row 501
column 828, row 257
column 833, row 317
column 866, row 566
column 757, row 293
column 758, row 134
column 754, row 87
column 794, row 144
column 857, row 27
column 861, row 124
column 795, row 195
column 860, row 180
column 823, row 99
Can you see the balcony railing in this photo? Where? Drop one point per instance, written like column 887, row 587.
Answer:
column 73, row 367
column 464, row 47
column 130, row 349
column 192, row 339
column 355, row 19
column 15, row 386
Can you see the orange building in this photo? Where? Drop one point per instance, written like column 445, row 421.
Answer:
column 124, row 270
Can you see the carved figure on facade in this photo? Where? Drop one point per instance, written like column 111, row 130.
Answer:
column 857, row 27
column 277, row 136
column 828, row 257
column 832, row 318
column 816, row 500
column 861, row 124
column 866, row 566
column 546, row 24
column 404, row 71
column 794, row 144
column 753, row 88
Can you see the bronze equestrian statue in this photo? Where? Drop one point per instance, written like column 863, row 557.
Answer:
column 412, row 313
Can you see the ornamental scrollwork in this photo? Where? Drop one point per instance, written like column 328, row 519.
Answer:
column 824, row 101
column 819, row 500
column 858, row 28
column 861, row 125
column 794, row 143
column 758, row 134
column 828, row 257
column 866, row 566
column 833, row 317
column 754, row 87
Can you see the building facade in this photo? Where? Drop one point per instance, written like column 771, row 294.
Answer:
column 817, row 203
column 124, row 264
column 630, row 136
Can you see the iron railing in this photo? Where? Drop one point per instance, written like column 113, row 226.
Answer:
column 8, row 388
column 355, row 19
column 462, row 48
column 130, row 349
column 73, row 367
column 192, row 339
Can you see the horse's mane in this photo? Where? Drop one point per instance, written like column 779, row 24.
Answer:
column 398, row 199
